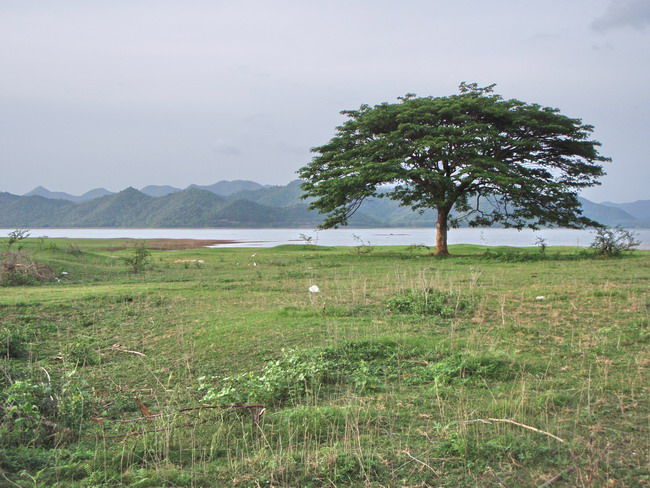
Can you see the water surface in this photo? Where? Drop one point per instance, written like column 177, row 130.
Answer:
column 345, row 236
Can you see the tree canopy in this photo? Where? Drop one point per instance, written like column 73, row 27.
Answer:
column 491, row 160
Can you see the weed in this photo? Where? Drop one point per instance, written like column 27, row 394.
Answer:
column 283, row 380
column 426, row 302
column 13, row 342
column 418, row 248
column 362, row 247
column 465, row 367
column 82, row 352
column 73, row 250
column 21, row 410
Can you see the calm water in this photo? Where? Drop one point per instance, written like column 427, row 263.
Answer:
column 345, row 236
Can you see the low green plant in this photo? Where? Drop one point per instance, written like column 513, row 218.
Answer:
column 139, row 259
column 294, row 375
column 282, row 380
column 516, row 256
column 13, row 343
column 73, row 250
column 463, row 367
column 75, row 401
column 82, row 352
column 427, row 301
column 418, row 248
column 21, row 413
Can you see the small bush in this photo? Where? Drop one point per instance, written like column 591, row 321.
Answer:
column 296, row 375
column 73, row 250
column 613, row 241
column 465, row 367
column 20, row 406
column 74, row 401
column 282, row 380
column 82, row 353
column 541, row 244
column 426, row 302
column 13, row 344
column 17, row 269
column 17, row 237
column 140, row 259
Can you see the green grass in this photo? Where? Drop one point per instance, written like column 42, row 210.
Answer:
column 388, row 377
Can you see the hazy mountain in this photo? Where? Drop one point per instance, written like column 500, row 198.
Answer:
column 92, row 194
column 127, row 208
column 6, row 198
column 226, row 188
column 60, row 195
column 243, row 204
column 32, row 211
column 159, row 190
column 40, row 191
column 275, row 196
column 639, row 209
column 187, row 208
column 607, row 215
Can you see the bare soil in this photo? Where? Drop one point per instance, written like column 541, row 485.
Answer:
column 174, row 244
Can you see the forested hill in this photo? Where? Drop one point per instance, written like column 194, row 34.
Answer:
column 232, row 204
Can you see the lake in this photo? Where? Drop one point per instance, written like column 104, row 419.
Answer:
column 345, row 236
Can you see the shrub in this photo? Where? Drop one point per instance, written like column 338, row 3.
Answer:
column 21, row 411
column 82, row 352
column 32, row 411
column 465, row 367
column 540, row 242
column 17, row 237
column 295, row 375
column 12, row 343
column 425, row 302
column 139, row 259
column 613, row 241
column 17, row 269
column 281, row 380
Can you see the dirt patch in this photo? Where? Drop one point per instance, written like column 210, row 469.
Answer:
column 173, row 244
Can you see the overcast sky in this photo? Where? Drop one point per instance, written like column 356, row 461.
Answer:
column 131, row 93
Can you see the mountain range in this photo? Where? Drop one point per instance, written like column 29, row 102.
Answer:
column 239, row 203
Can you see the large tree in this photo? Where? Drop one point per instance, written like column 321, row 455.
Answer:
column 491, row 160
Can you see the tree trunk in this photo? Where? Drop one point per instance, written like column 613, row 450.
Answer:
column 441, row 233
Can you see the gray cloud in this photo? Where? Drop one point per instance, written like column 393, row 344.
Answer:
column 161, row 92
column 624, row 13
column 222, row 147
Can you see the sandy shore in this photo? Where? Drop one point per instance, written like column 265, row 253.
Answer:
column 176, row 244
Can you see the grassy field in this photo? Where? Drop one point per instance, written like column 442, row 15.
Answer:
column 218, row 367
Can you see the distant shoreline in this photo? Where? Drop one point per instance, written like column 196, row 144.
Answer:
column 347, row 236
